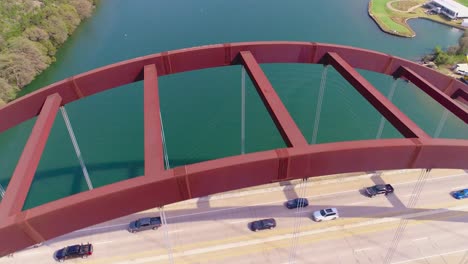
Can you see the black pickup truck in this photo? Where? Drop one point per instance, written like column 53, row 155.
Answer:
column 379, row 189
column 145, row 224
column 75, row 251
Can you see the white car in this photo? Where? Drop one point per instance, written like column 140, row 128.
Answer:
column 325, row 214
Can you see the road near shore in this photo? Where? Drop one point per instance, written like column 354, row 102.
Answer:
column 403, row 227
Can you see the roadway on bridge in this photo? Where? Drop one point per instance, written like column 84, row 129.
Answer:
column 369, row 230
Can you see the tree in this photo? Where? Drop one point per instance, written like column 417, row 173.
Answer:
column 453, row 50
column 442, row 58
column 51, row 49
column 35, row 33
column 83, row 7
column 2, row 43
column 7, row 91
column 56, row 28
column 69, row 16
column 463, row 43
column 34, row 52
column 16, row 69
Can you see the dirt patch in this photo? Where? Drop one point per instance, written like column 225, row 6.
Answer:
column 404, row 5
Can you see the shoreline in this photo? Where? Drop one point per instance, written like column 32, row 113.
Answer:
column 37, row 44
column 413, row 33
column 394, row 33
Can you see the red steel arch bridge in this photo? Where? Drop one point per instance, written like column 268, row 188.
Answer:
column 160, row 186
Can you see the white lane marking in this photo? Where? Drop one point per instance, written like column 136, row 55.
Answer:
column 288, row 236
column 431, row 256
column 421, row 238
column 362, row 249
column 103, row 242
column 311, row 196
column 99, row 227
column 288, row 187
column 27, row 253
column 176, row 231
column 243, row 207
column 362, row 202
column 238, row 221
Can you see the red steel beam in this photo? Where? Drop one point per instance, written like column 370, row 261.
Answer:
column 291, row 134
column 397, row 118
column 433, row 92
column 197, row 58
column 25, row 228
column 154, row 164
column 141, row 193
column 461, row 94
column 23, row 175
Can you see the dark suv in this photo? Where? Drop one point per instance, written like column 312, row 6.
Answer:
column 263, row 224
column 145, row 224
column 379, row 189
column 75, row 251
column 298, row 202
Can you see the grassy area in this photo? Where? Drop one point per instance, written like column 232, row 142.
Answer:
column 392, row 15
column 388, row 20
column 463, row 2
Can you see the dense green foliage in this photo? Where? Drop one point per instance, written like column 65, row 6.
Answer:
column 30, row 33
column 454, row 54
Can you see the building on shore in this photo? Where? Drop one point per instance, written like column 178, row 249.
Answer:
column 449, row 8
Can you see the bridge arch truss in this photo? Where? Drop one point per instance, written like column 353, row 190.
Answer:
column 159, row 186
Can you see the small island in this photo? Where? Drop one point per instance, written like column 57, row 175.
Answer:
column 392, row 15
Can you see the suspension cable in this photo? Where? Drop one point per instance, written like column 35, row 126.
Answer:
column 76, row 147
column 166, row 159
column 382, row 119
column 2, row 191
column 319, row 104
column 403, row 223
column 441, row 123
column 243, row 110
column 166, row 234
column 297, row 221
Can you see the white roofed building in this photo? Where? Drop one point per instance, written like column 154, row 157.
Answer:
column 450, row 8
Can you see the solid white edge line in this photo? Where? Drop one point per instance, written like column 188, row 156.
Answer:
column 431, row 256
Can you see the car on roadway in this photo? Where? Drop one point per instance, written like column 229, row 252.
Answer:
column 75, row 251
column 379, row 189
column 461, row 194
column 145, row 224
column 325, row 214
column 298, row 202
column 263, row 224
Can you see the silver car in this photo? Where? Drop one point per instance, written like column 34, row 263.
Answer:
column 325, row 214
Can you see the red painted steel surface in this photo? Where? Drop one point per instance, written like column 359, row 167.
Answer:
column 23, row 175
column 437, row 95
column 126, row 72
column 462, row 94
column 59, row 217
column 153, row 139
column 399, row 120
column 291, row 134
